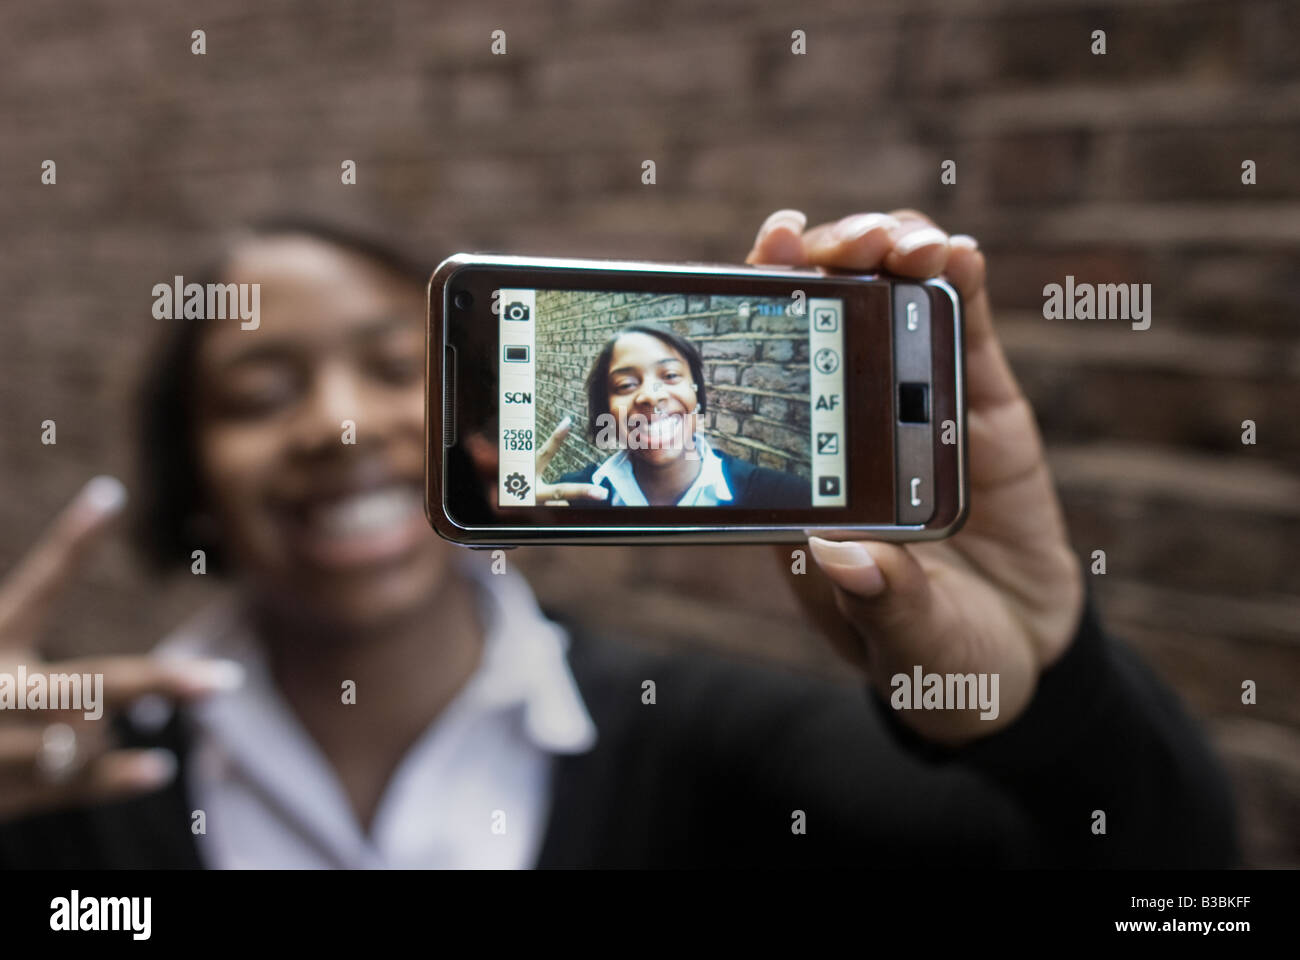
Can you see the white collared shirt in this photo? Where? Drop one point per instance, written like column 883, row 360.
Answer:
column 472, row 792
column 709, row 489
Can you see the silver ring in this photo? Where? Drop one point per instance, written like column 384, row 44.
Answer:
column 56, row 760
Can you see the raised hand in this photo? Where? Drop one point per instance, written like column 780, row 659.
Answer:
column 559, row 494
column 56, row 758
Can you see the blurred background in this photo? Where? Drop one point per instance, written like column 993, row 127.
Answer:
column 1122, row 168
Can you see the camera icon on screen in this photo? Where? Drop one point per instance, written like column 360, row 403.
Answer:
column 517, row 311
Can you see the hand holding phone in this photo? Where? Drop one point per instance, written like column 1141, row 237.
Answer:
column 1004, row 595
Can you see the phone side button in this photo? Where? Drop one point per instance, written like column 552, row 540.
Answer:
column 915, row 473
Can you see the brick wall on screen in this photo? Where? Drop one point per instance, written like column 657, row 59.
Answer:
column 755, row 360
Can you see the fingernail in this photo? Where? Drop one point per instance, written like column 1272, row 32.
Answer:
column 565, row 423
column 859, row 573
column 963, row 240
column 603, row 494
column 154, row 768
column 860, row 224
column 210, row 676
column 794, row 219
column 841, row 553
column 917, row 239
column 104, row 493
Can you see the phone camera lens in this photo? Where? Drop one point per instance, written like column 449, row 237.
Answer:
column 463, row 300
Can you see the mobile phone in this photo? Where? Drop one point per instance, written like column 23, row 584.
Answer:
column 705, row 403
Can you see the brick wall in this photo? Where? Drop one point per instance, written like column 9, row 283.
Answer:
column 1117, row 168
column 755, row 371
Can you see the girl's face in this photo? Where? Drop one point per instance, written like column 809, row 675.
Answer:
column 653, row 398
column 310, row 434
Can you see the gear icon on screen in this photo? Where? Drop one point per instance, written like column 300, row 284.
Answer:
column 517, row 485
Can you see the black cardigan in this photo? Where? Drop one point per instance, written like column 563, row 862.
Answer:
column 756, row 488
column 713, row 772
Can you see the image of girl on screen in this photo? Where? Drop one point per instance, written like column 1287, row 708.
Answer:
column 645, row 400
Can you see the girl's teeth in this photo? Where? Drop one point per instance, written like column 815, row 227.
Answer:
column 366, row 512
column 665, row 432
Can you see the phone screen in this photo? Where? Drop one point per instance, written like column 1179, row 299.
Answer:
column 670, row 399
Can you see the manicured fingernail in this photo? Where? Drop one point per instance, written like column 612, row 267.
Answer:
column 925, row 237
column 857, row 571
column 841, row 553
column 793, row 219
column 153, row 768
column 104, row 493
column 963, row 240
column 210, row 676
column 861, row 224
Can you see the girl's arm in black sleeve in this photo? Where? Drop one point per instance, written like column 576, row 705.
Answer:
column 1103, row 733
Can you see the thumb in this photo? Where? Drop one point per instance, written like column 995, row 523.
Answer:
column 882, row 589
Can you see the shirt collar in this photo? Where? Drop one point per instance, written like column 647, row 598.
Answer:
column 524, row 664
column 525, row 661
column 709, row 488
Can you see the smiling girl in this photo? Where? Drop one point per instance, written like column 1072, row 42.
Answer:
column 645, row 395
column 367, row 695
